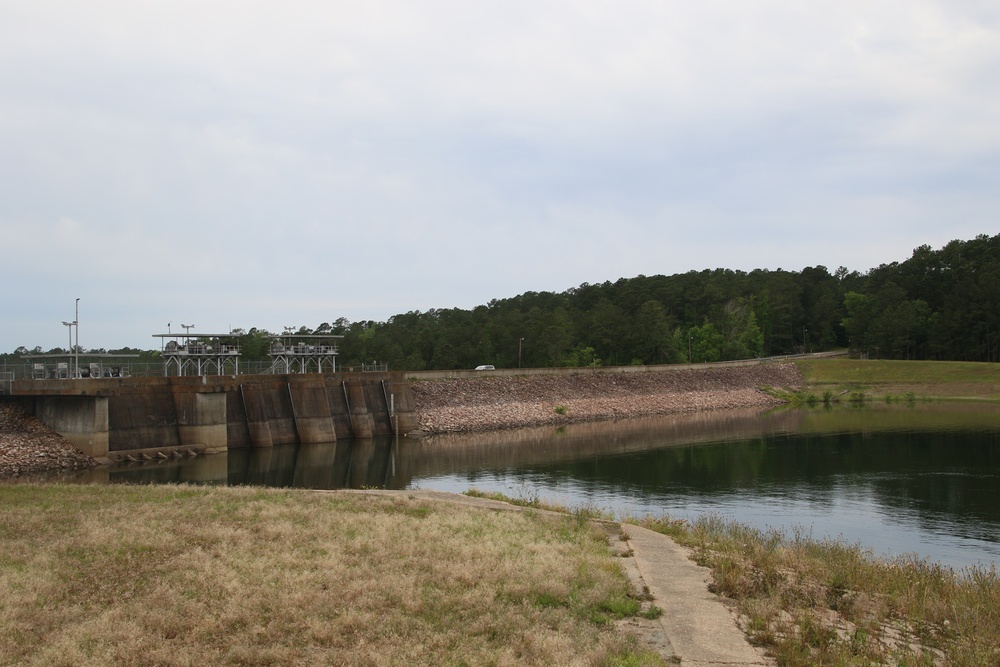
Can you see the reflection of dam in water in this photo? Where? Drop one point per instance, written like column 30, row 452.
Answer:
column 395, row 462
column 453, row 453
column 350, row 464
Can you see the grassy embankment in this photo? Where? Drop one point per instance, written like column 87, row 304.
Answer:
column 813, row 603
column 842, row 379
column 834, row 603
column 167, row 575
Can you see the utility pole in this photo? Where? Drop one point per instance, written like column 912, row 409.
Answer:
column 76, row 349
column 69, row 352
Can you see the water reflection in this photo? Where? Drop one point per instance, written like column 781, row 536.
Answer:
column 352, row 464
column 897, row 479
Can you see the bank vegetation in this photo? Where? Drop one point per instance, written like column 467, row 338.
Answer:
column 830, row 602
column 816, row 603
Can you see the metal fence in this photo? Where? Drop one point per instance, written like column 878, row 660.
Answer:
column 28, row 371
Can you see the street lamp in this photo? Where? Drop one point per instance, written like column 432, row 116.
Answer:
column 519, row 341
column 187, row 328
column 69, row 329
column 76, row 348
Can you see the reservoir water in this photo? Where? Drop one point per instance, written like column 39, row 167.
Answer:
column 920, row 479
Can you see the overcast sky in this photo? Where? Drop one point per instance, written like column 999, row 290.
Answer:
column 246, row 163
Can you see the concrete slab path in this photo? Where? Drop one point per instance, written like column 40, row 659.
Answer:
column 700, row 628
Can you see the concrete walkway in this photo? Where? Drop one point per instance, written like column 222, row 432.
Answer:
column 700, row 629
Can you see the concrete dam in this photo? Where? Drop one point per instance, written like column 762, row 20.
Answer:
column 108, row 418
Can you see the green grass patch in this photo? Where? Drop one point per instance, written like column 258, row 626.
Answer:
column 906, row 380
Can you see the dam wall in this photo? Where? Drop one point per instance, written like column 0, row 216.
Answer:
column 115, row 417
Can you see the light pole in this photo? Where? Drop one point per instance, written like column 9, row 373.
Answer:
column 519, row 341
column 69, row 330
column 804, row 332
column 76, row 348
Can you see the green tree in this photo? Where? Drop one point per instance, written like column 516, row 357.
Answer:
column 741, row 337
column 706, row 343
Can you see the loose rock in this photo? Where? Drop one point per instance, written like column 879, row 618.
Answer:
column 490, row 403
column 28, row 447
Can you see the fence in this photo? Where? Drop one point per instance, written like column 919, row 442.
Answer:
column 6, row 378
column 28, row 371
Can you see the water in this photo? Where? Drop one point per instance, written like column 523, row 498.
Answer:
column 897, row 479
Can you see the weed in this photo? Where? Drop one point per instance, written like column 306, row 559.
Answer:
column 652, row 612
column 560, row 409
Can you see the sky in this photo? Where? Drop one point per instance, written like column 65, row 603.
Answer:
column 260, row 164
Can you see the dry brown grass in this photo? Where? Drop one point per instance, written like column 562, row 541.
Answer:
column 832, row 603
column 174, row 575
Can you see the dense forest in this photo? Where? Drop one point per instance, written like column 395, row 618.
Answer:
column 938, row 304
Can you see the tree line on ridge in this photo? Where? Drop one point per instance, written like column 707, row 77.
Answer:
column 938, row 304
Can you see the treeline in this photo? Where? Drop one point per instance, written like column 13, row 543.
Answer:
column 939, row 304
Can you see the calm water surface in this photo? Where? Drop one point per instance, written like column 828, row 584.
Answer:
column 898, row 479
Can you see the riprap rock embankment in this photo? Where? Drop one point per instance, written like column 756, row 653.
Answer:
column 494, row 402
column 27, row 446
